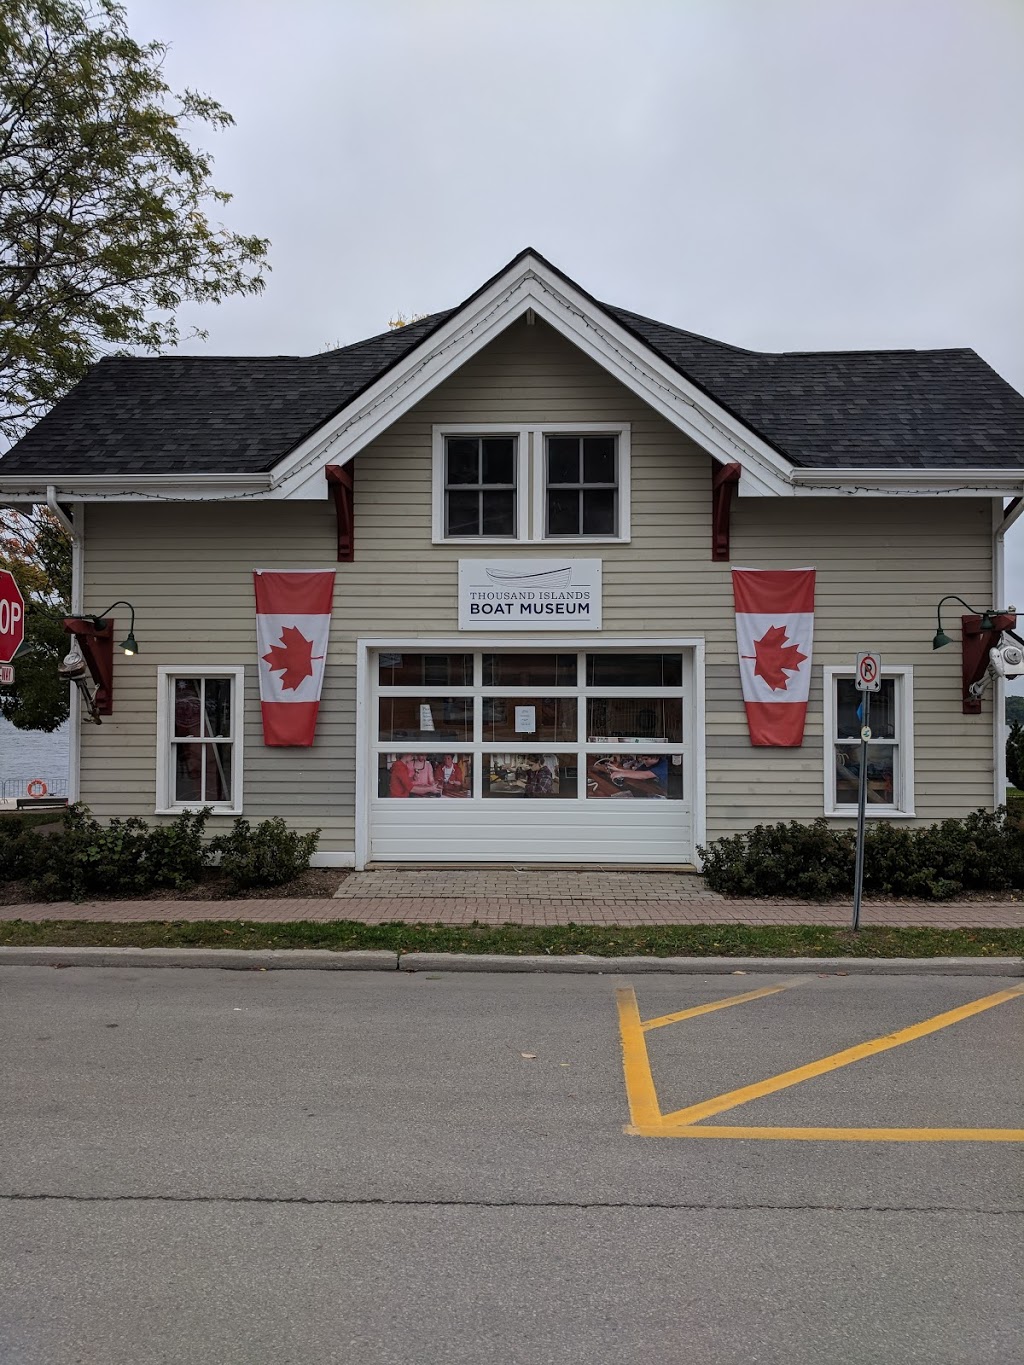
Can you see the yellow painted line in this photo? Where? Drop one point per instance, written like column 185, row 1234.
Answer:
column 680, row 1015
column 636, row 1066
column 691, row 1130
column 695, row 1112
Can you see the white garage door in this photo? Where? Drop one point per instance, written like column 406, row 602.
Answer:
column 541, row 756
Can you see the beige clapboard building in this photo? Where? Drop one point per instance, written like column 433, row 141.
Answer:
column 533, row 504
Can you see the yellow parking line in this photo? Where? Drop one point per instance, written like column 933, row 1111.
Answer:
column 636, row 1066
column 680, row 1015
column 693, row 1113
column 834, row 1134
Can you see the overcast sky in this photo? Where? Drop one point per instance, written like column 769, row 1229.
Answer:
column 780, row 174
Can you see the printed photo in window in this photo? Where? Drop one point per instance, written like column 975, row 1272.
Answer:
column 526, row 775
column 634, row 777
column 425, row 776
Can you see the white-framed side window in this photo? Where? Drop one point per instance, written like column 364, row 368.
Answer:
column 560, row 483
column 199, row 738
column 890, row 751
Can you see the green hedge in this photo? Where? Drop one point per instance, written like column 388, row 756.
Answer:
column 983, row 852
column 130, row 857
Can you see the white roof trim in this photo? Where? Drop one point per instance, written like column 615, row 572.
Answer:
column 532, row 284
column 964, row 483
column 137, row 487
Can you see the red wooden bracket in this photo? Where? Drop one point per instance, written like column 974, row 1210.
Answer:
column 97, row 646
column 340, row 481
column 976, row 645
column 724, row 482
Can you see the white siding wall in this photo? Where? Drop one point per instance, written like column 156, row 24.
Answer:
column 882, row 565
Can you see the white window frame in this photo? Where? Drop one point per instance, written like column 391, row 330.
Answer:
column 531, row 480
column 522, row 440
column 903, row 675
column 165, row 675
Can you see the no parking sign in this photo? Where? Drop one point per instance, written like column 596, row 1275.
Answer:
column 869, row 672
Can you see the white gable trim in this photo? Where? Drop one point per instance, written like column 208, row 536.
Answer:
column 533, row 285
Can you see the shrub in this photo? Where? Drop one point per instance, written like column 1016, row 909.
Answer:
column 19, row 850
column 127, row 856
column 265, row 856
column 983, row 852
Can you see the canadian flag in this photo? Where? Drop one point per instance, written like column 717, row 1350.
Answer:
column 293, row 619
column 774, row 632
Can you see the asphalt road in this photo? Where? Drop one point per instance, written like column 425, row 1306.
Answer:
column 329, row 1167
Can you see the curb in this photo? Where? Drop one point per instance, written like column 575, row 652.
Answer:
column 714, row 966
column 384, row 960
column 226, row 959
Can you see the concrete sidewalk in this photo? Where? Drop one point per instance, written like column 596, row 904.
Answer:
column 506, row 896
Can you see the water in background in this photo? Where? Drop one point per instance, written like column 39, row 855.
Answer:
column 29, row 754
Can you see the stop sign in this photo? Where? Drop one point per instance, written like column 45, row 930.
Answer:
column 12, row 617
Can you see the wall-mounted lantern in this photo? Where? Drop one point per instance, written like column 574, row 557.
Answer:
column 92, row 650
column 982, row 632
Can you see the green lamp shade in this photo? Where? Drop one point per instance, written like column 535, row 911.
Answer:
column 130, row 645
column 941, row 638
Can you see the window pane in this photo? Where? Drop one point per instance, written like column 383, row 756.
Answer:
column 599, row 459
column 530, row 720
column 463, row 460
column 563, row 459
column 882, row 761
column 635, row 776
column 187, row 706
column 563, row 513
column 217, row 706
column 529, row 670
column 599, row 512
column 499, row 464
column 462, row 514
column 425, row 670
column 431, row 776
column 218, row 772
column 849, row 711
column 188, row 769
column 635, row 670
column 529, row 776
column 426, row 718
column 659, row 719
column 499, row 518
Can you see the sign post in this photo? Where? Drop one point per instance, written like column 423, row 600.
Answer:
column 12, row 617
column 869, row 679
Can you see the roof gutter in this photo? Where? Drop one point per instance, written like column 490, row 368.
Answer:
column 968, row 480
column 116, row 487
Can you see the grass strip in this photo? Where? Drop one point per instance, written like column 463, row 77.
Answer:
column 698, row 940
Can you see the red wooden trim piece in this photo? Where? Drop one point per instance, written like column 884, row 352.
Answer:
column 976, row 645
column 97, row 646
column 340, row 480
column 724, row 482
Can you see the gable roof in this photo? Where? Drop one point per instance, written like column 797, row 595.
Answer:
column 183, row 415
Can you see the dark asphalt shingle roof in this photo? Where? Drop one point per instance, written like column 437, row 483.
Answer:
column 942, row 409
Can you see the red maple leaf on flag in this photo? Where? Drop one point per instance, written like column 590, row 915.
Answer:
column 292, row 658
column 774, row 658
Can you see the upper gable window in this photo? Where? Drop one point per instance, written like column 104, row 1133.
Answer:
column 531, row 484
column 480, row 487
column 582, row 486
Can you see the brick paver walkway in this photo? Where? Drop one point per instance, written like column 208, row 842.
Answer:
column 487, row 896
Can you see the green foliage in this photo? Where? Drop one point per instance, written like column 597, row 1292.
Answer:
column 104, row 230
column 37, row 551
column 19, row 850
column 1015, row 754
column 126, row 857
column 1014, row 706
column 983, row 852
column 268, row 855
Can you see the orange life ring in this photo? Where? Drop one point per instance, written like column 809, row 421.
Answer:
column 37, row 787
